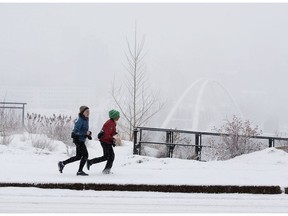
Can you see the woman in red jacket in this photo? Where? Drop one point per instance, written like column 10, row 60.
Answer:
column 107, row 142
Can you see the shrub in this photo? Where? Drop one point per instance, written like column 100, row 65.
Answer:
column 9, row 124
column 55, row 127
column 5, row 140
column 236, row 139
column 42, row 143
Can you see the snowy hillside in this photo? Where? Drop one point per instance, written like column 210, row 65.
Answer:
column 20, row 162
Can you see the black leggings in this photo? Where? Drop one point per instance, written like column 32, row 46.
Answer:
column 108, row 154
column 81, row 154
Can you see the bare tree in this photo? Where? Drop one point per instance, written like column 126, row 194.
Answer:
column 137, row 103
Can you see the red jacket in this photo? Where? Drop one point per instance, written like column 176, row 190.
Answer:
column 109, row 129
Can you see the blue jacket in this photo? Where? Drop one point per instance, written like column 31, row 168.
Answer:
column 81, row 127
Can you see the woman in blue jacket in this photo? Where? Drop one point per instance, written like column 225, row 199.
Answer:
column 79, row 135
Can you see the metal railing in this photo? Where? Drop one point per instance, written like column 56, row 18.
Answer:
column 14, row 105
column 138, row 139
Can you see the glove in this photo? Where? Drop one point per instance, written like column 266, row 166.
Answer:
column 100, row 134
column 89, row 135
column 113, row 144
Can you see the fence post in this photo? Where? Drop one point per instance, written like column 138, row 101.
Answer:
column 168, row 134
column 198, row 141
column 135, row 151
column 271, row 143
column 23, row 115
column 169, row 139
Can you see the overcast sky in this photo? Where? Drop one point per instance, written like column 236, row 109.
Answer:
column 243, row 46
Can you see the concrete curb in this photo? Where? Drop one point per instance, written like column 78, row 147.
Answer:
column 155, row 188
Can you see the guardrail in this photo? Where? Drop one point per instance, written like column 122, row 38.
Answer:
column 138, row 141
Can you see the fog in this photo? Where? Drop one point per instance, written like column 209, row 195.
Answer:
column 77, row 49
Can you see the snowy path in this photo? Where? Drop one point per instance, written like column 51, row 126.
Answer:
column 34, row 200
column 267, row 167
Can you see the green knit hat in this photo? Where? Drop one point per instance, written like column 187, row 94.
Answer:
column 114, row 114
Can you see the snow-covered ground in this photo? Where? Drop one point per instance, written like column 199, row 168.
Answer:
column 20, row 162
